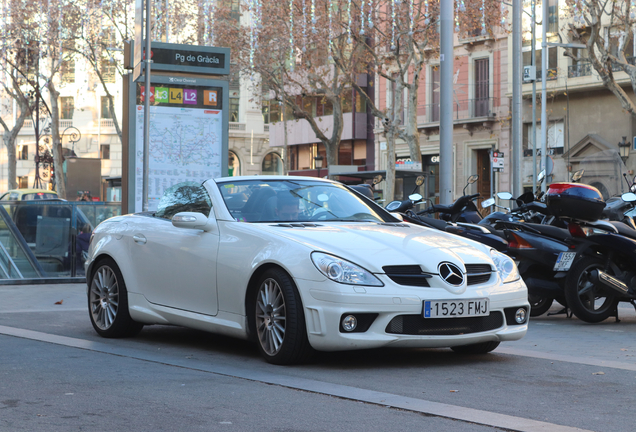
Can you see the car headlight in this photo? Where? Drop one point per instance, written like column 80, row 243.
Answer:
column 505, row 266
column 343, row 271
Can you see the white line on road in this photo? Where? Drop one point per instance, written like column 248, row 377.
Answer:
column 486, row 418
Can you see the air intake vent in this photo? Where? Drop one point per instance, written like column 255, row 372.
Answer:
column 478, row 273
column 410, row 275
column 399, row 225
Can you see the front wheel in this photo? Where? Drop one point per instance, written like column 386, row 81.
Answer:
column 478, row 348
column 280, row 320
column 108, row 302
column 588, row 301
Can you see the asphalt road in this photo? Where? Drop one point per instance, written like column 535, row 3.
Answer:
column 56, row 374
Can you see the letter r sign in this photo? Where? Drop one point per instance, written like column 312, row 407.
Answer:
column 209, row 97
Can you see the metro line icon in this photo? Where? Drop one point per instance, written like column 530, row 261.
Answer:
column 450, row 273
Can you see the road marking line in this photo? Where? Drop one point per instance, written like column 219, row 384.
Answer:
column 60, row 309
column 455, row 412
column 589, row 361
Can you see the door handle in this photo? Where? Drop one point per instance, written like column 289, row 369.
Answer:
column 140, row 239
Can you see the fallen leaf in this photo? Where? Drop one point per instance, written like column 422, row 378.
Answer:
column 60, row 302
column 598, row 373
column 624, row 349
column 454, row 391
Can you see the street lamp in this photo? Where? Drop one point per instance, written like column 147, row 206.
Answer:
column 623, row 148
column 318, row 163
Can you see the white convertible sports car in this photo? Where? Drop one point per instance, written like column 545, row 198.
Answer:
column 299, row 264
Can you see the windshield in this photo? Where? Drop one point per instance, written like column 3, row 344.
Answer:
column 296, row 201
column 38, row 196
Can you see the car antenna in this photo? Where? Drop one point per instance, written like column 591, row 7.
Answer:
column 627, row 181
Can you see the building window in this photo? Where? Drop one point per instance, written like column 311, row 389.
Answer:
column 23, row 182
column 233, row 164
column 105, row 113
column 108, row 69
column 23, row 152
column 234, row 109
column 482, row 87
column 68, row 71
column 67, row 108
column 435, row 96
column 104, row 150
column 272, row 164
column 345, row 153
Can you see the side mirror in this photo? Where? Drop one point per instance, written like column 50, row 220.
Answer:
column 473, row 178
column 629, row 197
column 419, row 180
column 192, row 220
column 415, row 197
column 487, row 203
column 504, row 196
column 377, row 179
column 398, row 216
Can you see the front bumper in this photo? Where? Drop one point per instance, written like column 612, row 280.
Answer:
column 326, row 302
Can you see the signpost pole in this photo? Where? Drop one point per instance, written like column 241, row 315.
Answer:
column 147, row 59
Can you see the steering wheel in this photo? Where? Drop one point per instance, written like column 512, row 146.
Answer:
column 320, row 216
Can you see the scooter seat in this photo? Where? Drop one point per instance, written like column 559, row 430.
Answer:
column 435, row 223
column 624, row 229
column 551, row 231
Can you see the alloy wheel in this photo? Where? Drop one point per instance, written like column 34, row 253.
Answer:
column 270, row 316
column 104, row 297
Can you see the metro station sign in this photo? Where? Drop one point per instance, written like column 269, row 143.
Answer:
column 191, row 59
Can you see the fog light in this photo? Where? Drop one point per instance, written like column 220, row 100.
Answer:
column 520, row 315
column 349, row 323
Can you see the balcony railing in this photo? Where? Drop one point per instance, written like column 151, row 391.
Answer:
column 466, row 109
column 585, row 68
column 237, row 126
column 106, row 123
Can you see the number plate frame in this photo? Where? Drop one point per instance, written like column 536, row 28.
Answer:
column 564, row 261
column 460, row 308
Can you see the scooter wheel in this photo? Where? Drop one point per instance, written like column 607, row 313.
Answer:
column 539, row 305
column 588, row 301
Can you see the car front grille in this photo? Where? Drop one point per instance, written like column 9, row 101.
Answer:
column 478, row 273
column 410, row 275
column 418, row 325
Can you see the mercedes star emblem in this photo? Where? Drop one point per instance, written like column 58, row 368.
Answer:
column 451, row 273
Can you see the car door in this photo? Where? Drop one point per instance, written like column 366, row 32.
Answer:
column 177, row 266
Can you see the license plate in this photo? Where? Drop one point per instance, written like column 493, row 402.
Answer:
column 564, row 261
column 456, row 308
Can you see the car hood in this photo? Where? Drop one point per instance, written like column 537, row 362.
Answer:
column 375, row 245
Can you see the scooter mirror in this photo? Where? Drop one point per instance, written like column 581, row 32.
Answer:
column 377, row 179
column 415, row 197
column 577, row 175
column 504, row 195
column 419, row 180
column 541, row 176
column 393, row 205
column 473, row 178
column 629, row 197
column 487, row 203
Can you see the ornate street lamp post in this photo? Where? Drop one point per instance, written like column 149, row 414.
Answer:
column 623, row 148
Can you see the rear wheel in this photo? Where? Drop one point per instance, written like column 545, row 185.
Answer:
column 588, row 301
column 108, row 302
column 539, row 305
column 478, row 348
column 280, row 320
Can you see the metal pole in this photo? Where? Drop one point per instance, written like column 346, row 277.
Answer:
column 148, row 61
column 446, row 103
column 544, row 96
column 517, row 183
column 167, row 13
column 534, row 98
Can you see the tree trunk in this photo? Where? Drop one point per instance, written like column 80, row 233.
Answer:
column 58, row 159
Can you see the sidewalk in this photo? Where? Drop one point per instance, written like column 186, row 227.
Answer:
column 42, row 298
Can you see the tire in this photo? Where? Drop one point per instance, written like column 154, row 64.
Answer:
column 108, row 302
column 478, row 348
column 582, row 295
column 279, row 322
column 539, row 305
